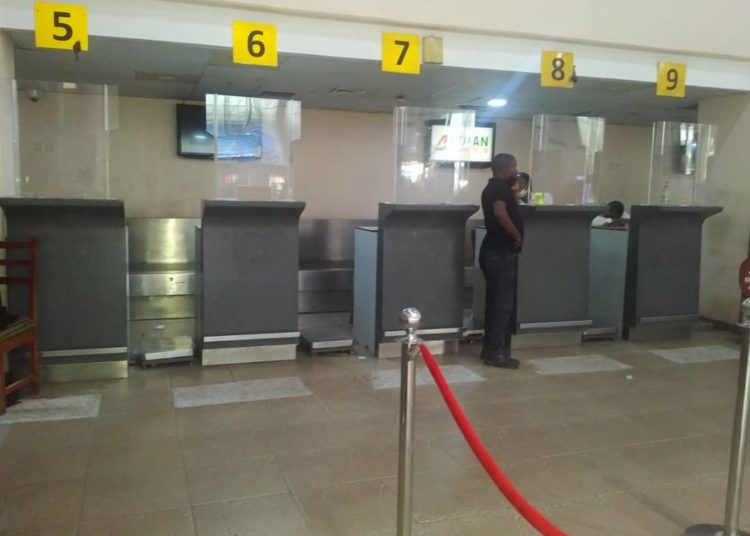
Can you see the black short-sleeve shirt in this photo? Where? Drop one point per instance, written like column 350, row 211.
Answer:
column 497, row 238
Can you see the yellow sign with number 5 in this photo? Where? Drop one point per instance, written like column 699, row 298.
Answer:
column 61, row 26
column 670, row 81
column 401, row 53
column 254, row 43
column 558, row 69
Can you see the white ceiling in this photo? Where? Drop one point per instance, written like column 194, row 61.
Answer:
column 187, row 72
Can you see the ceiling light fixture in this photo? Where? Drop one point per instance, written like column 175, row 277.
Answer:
column 497, row 103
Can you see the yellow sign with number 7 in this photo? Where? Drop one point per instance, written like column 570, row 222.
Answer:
column 401, row 53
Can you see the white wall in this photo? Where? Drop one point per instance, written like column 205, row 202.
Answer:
column 678, row 25
column 7, row 150
column 725, row 236
column 343, row 165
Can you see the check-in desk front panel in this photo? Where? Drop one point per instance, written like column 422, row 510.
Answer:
column 663, row 271
column 82, row 280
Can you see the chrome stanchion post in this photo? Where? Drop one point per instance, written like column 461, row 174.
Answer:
column 739, row 444
column 411, row 319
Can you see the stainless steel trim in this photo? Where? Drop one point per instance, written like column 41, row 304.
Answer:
column 560, row 324
column 251, row 337
column 434, row 331
column 85, row 351
column 668, row 318
column 160, row 355
column 251, row 354
column 77, row 372
column 343, row 343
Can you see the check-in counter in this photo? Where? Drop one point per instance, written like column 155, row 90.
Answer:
column 248, row 271
column 662, row 284
column 413, row 258
column 83, row 299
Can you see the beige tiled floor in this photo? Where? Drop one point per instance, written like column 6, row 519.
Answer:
column 637, row 452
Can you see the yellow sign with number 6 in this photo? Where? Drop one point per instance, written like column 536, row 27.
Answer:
column 670, row 81
column 558, row 69
column 61, row 26
column 254, row 43
column 401, row 53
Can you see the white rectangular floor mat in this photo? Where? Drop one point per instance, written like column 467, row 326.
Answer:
column 391, row 379
column 53, row 409
column 246, row 391
column 576, row 364
column 697, row 354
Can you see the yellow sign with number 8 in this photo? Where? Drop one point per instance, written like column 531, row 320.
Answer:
column 670, row 81
column 61, row 26
column 558, row 69
column 254, row 43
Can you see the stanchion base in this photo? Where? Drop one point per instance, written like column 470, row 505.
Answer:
column 710, row 530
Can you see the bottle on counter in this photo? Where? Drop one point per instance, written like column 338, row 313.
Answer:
column 664, row 199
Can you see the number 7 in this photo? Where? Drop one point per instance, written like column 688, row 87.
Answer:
column 404, row 50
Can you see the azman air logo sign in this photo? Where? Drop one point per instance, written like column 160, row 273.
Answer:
column 453, row 144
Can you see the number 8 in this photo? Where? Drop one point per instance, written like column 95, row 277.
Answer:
column 558, row 64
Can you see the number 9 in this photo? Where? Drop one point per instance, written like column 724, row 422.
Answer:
column 673, row 78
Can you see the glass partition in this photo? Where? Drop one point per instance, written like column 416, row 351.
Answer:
column 435, row 149
column 253, row 142
column 565, row 156
column 679, row 163
column 63, row 139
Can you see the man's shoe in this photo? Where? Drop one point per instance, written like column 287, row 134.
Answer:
column 500, row 362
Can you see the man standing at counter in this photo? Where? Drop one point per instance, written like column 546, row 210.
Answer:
column 498, row 260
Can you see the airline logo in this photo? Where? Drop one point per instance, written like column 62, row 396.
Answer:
column 451, row 144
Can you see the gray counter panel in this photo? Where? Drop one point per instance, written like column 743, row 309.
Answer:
column 82, row 272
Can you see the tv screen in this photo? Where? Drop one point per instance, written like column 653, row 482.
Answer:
column 194, row 141
column 474, row 145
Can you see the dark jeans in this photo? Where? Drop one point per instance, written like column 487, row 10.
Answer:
column 500, row 270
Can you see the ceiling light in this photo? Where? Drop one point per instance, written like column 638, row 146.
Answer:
column 497, row 103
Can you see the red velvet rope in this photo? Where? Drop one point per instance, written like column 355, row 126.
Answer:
column 506, row 487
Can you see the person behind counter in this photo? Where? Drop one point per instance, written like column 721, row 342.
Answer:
column 498, row 260
column 614, row 217
column 523, row 182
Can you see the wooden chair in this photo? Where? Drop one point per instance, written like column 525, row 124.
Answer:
column 22, row 332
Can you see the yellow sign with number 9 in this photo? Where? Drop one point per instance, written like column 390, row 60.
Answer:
column 670, row 81
column 60, row 26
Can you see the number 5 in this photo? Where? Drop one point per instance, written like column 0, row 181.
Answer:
column 58, row 23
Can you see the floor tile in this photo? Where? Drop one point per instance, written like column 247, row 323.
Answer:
column 454, row 374
column 48, row 504
column 238, row 479
column 167, row 523
column 243, row 391
column 148, row 491
column 577, row 364
column 351, row 509
column 698, row 354
column 274, row 515
column 53, row 409
column 133, row 458
column 44, row 464
column 23, row 436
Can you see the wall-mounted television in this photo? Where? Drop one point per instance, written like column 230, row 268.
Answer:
column 194, row 141
column 447, row 145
